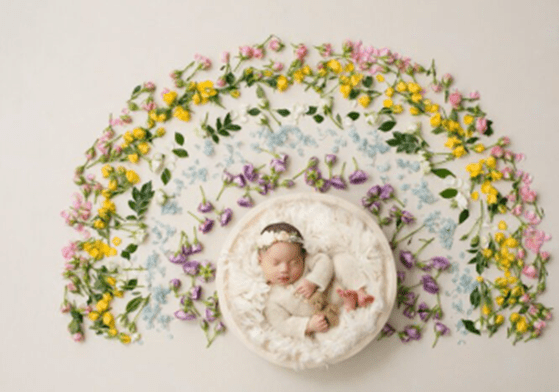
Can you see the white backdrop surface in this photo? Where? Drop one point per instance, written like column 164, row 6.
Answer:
column 66, row 64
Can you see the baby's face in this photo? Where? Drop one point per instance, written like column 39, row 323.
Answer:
column 282, row 263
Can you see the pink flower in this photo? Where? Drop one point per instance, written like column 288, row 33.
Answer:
column 534, row 239
column 277, row 67
column 301, row 52
column 258, row 53
column 384, row 52
column 66, row 308
column 245, row 52
column 69, row 251
column 447, row 79
column 376, row 69
column 525, row 298
column 455, row 98
column 548, row 316
column 508, row 155
column 275, row 45
column 225, row 57
column 436, row 87
column 481, row 125
column 530, row 271
column 474, row 95
column 325, row 50
column 528, row 195
column 149, row 106
column 69, row 267
column 539, row 325
column 347, row 45
column 511, row 197
column 497, row 151
column 532, row 217
column 78, row 337
column 532, row 310
column 71, row 287
column 519, row 157
column 220, row 82
column 545, row 255
column 203, row 62
column 521, row 253
column 149, row 86
column 504, row 141
column 526, row 178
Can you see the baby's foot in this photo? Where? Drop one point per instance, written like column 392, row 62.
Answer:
column 349, row 297
column 364, row 299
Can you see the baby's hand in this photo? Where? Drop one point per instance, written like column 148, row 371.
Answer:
column 317, row 323
column 306, row 288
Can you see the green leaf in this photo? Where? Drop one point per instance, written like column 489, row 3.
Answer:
column 387, row 126
column 136, row 90
column 233, row 127
column 438, row 130
column 311, row 111
column 179, row 138
column 133, row 304
column 74, row 327
column 470, row 326
column 354, row 93
column 215, row 138
column 227, row 120
column 475, row 297
column 368, row 81
column 260, row 92
column 393, row 142
column 230, row 78
column 223, row 132
column 449, row 193
column 130, row 285
column 442, row 173
column 218, row 124
column 166, row 176
column 463, row 216
column 181, row 153
column 283, row 112
column 318, row 118
column 353, row 115
column 254, row 112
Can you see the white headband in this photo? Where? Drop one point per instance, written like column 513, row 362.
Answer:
column 269, row 238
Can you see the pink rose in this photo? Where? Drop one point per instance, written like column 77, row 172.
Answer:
column 326, row 50
column 225, row 56
column 66, row 308
column 539, row 325
column 504, row 141
column 528, row 195
column 203, row 62
column 545, row 255
column 521, row 253
column 497, row 151
column 258, row 53
column 525, row 298
column 277, row 67
column 275, row 45
column 447, row 79
column 78, row 337
column 149, row 86
column 220, row 82
column 301, row 52
column 455, row 98
column 246, row 52
column 518, row 157
column 530, row 271
column 532, row 310
column 481, row 125
column 474, row 95
column 436, row 87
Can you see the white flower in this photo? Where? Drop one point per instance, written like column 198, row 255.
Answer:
column 462, row 201
column 242, row 114
column 139, row 236
column 161, row 197
column 484, row 241
column 156, row 163
column 326, row 103
column 347, row 122
column 373, row 118
column 425, row 166
column 414, row 127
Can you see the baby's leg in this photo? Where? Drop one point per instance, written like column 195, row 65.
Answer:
column 350, row 276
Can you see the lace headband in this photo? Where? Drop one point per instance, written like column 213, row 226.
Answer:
column 269, row 238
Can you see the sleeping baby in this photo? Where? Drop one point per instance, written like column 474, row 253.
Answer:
column 300, row 301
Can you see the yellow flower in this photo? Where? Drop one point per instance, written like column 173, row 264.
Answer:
column 517, row 291
column 106, row 170
column 491, row 162
column 491, row 199
column 475, row 195
column 118, row 294
column 108, row 319
column 436, row 120
column 364, row 100
column 139, row 133
column 170, row 97
column 206, row 89
column 282, row 83
column 128, row 137
column 107, row 297
column 109, row 205
column 514, row 317
column 110, row 280
column 389, row 92
column 349, row 67
column 113, row 184
column 401, row 86
column 93, row 316
column 112, row 332
column 486, row 310
column 322, row 72
column 380, row 78
column 387, row 103
column 345, row 89
column 112, row 252
column 468, row 119
column 335, row 66
column 459, row 151
column 475, row 169
column 511, row 242
column 116, row 241
column 125, row 339
column 487, row 253
column 414, row 110
column 479, row 279
column 479, row 148
column 196, row 99
column 133, row 158
column 499, row 319
column 502, row 225
column 132, row 177
column 500, row 300
column 99, row 224
column 102, row 305
column 235, row 93
column 121, row 170
column 486, row 187
column 416, row 97
column 299, row 76
column 144, row 148
column 414, row 87
column 181, row 113
column 499, row 237
column 355, row 79
column 521, row 325
column 397, row 109
column 160, row 132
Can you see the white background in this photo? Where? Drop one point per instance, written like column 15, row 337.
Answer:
column 66, row 64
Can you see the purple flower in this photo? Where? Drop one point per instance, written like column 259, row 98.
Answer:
column 407, row 217
column 227, row 177
column 263, row 189
column 249, row 172
column 386, row 192
column 440, row 263
column 429, row 284
column 278, row 165
column 366, row 202
column 225, row 216
column 191, row 268
column 206, row 226
column 175, row 284
column 178, row 258
column 239, row 180
column 330, row 159
column 441, row 329
column 412, row 332
column 288, row 183
column 338, row 182
column 205, row 207
column 313, row 162
column 220, row 327
column 186, row 251
column 207, row 271
column 211, row 315
column 195, row 292
column 358, row 177
column 196, row 248
column 401, row 275
column 408, row 298
column 182, row 315
column 423, row 311
column 409, row 312
column 407, row 258
column 437, row 313
column 323, row 185
column 374, row 191
column 245, row 201
column 312, row 176
column 375, row 207
column 394, row 211
column 387, row 330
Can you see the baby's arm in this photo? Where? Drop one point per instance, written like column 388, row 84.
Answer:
column 317, row 323
column 321, row 273
column 284, row 322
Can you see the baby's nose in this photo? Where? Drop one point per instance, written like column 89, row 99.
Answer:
column 284, row 267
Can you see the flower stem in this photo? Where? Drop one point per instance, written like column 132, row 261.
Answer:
column 408, row 236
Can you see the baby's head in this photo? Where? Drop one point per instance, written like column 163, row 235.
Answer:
column 281, row 253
